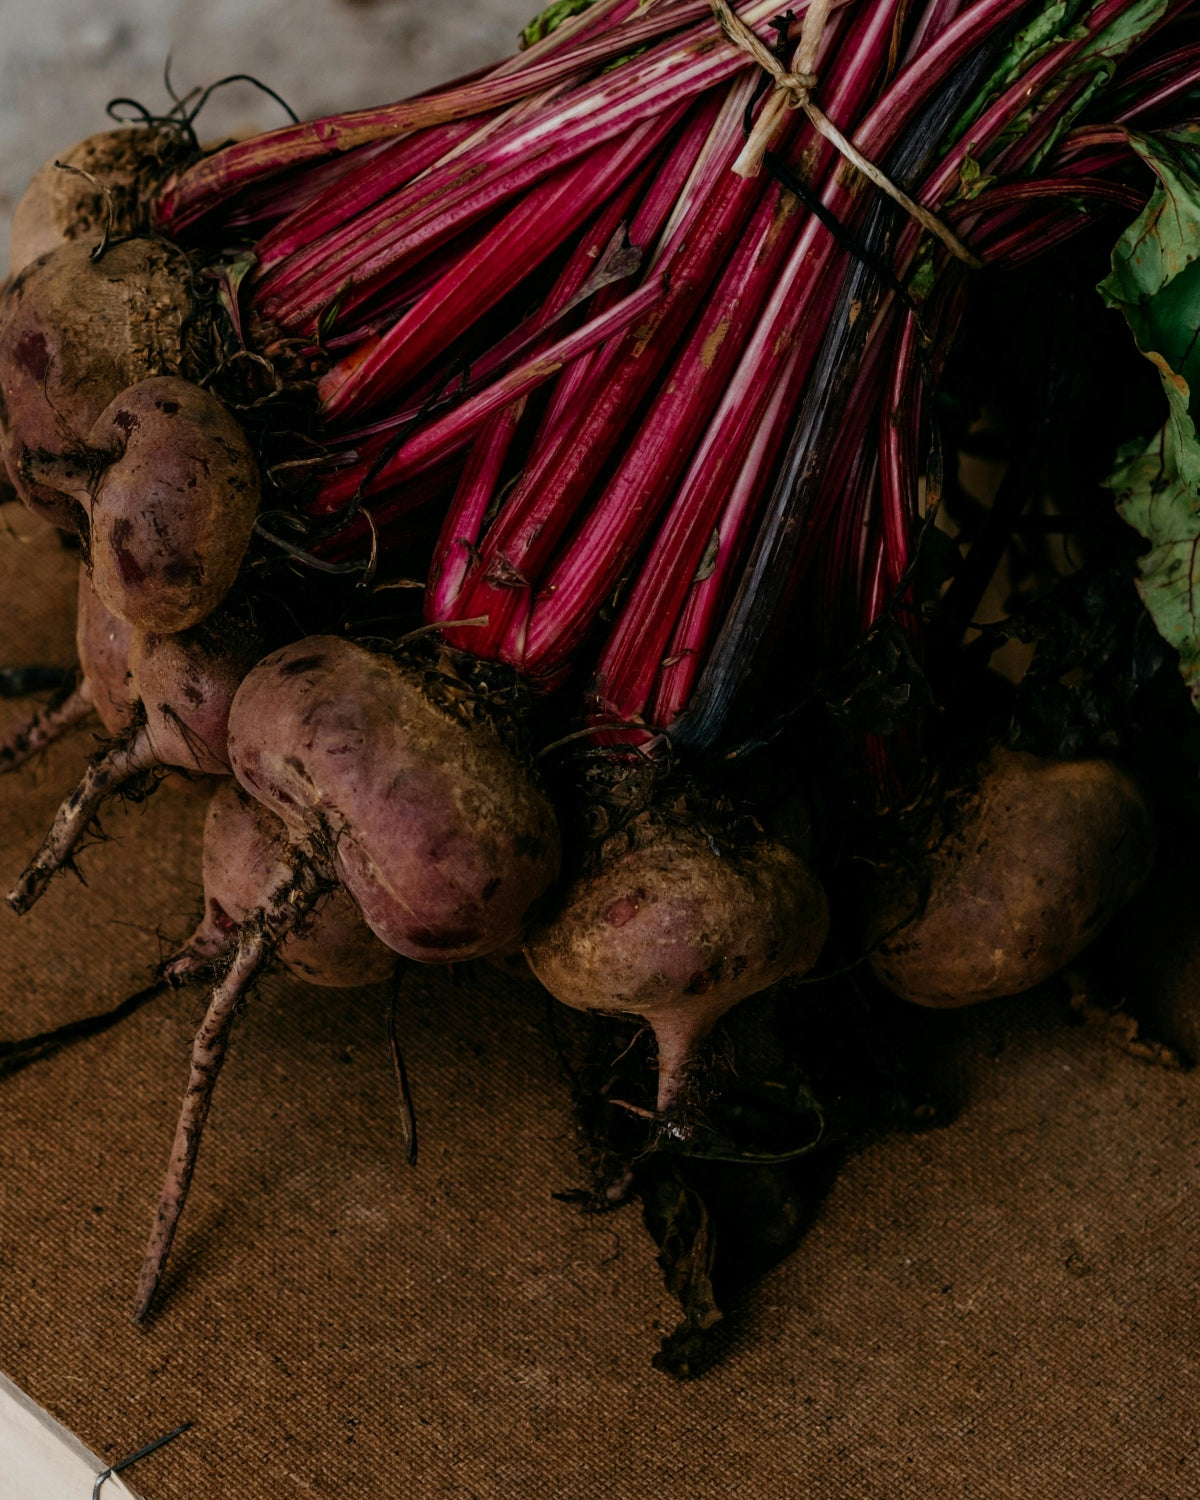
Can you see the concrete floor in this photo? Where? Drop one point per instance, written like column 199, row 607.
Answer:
column 61, row 61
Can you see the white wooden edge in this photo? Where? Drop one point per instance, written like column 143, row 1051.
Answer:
column 41, row 1460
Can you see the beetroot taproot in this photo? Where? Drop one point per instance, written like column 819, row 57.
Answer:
column 291, row 891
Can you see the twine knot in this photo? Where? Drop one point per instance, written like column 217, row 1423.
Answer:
column 793, row 90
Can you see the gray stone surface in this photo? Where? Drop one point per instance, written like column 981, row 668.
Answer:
column 61, row 61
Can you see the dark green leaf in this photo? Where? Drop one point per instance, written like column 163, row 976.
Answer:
column 1156, row 285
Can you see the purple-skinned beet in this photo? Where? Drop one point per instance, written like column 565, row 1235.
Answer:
column 103, row 687
column 169, row 487
column 74, row 334
column 677, row 922
column 435, row 825
column 183, row 686
column 245, row 844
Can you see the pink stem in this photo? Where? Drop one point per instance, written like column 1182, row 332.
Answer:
column 547, row 216
column 645, row 232
column 699, row 615
column 449, row 434
column 464, row 522
column 211, row 182
column 366, row 176
column 760, row 272
column 423, row 216
column 533, row 521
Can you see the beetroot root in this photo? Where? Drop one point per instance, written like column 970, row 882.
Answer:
column 265, row 896
column 61, row 204
column 102, row 642
column 184, row 686
column 677, row 928
column 437, row 829
column 292, row 892
column 73, row 335
column 170, row 488
column 1022, row 872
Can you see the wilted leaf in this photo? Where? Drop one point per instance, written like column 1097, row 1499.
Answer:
column 1155, row 283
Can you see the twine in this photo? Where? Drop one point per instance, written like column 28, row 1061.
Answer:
column 793, row 90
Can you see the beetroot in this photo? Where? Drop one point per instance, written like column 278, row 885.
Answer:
column 103, row 646
column 244, row 844
column 73, row 335
column 676, row 922
column 169, row 486
column 60, row 204
column 292, row 889
column 103, row 643
column 183, row 686
column 436, row 828
column 1022, row 870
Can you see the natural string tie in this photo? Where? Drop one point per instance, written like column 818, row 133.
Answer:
column 793, row 90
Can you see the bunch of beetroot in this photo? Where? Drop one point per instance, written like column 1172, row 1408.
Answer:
column 624, row 363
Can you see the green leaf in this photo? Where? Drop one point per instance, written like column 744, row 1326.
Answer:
column 551, row 19
column 1059, row 22
column 1096, row 62
column 1108, row 46
column 1158, row 493
column 972, row 180
column 1026, row 46
column 1155, row 284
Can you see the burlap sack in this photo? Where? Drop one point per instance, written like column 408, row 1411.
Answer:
column 1005, row 1308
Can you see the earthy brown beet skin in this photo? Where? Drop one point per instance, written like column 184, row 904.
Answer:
column 103, row 643
column 170, row 486
column 73, row 334
column 244, row 848
column 186, row 684
column 441, row 836
column 1158, row 940
column 678, row 929
column 1028, row 868
column 60, row 204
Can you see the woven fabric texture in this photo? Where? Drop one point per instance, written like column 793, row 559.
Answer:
column 1004, row 1309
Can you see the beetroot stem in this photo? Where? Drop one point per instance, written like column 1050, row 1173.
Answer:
column 451, row 433
column 710, row 375
column 427, row 212
column 533, row 230
column 465, row 519
column 216, row 178
column 535, row 517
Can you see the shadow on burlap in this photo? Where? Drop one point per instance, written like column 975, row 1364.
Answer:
column 1005, row 1308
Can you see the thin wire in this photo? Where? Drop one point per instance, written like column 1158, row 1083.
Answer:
column 125, row 1463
